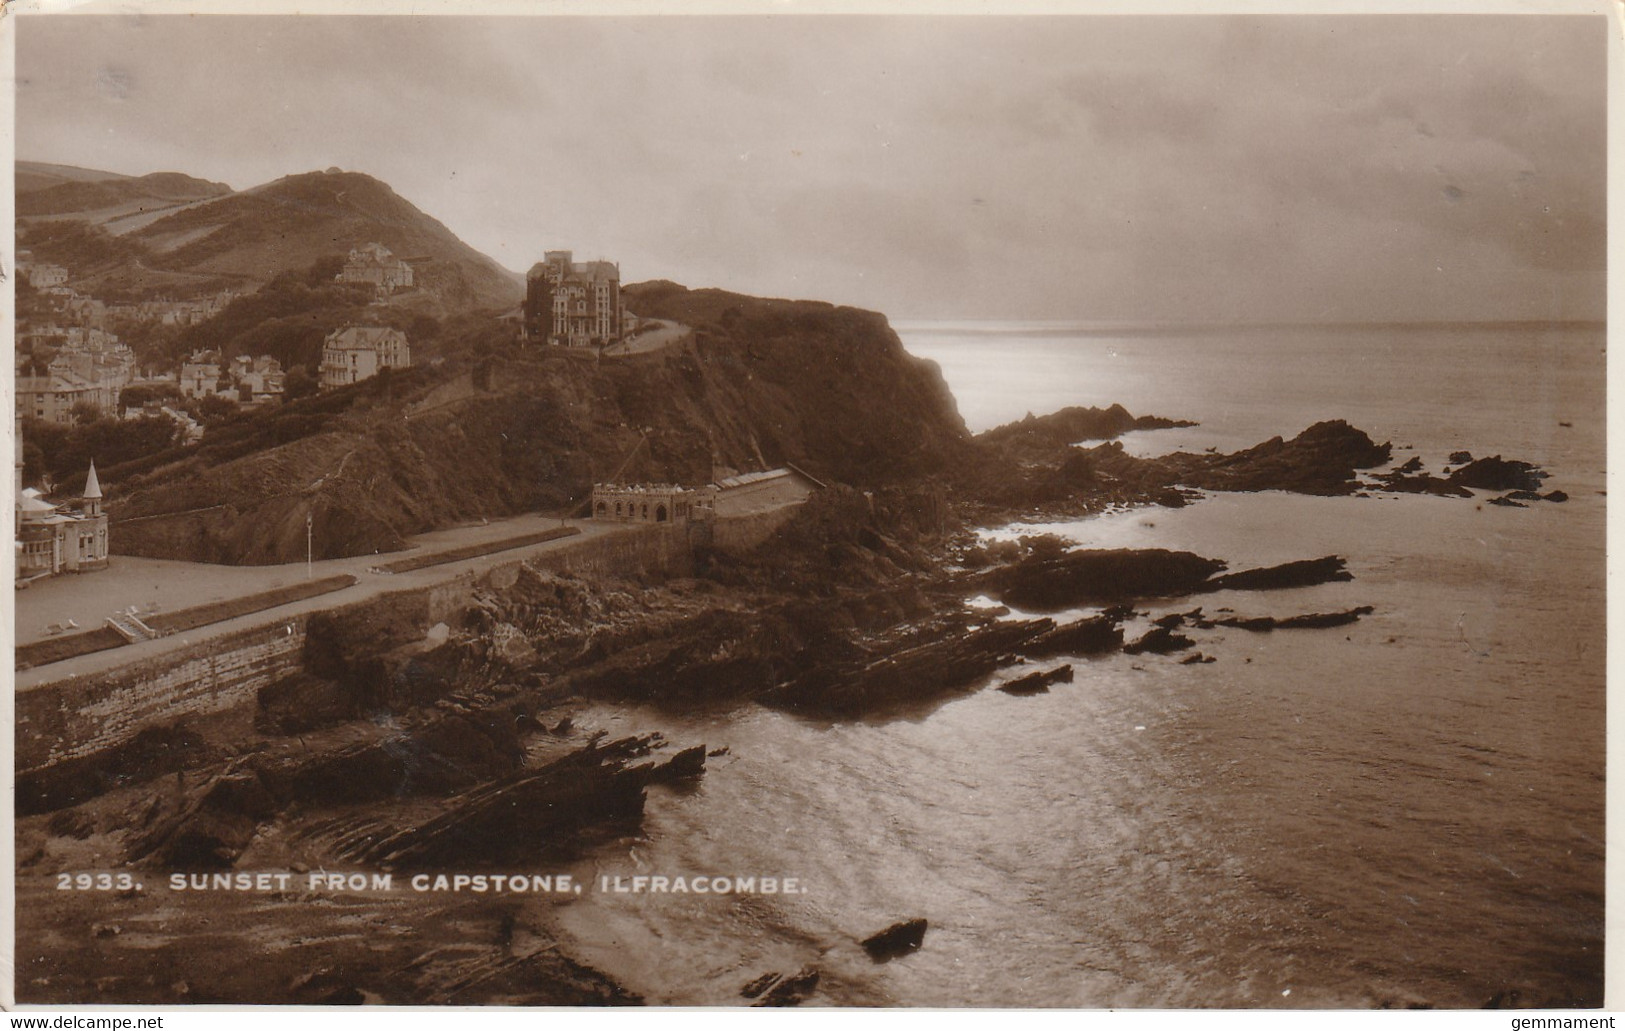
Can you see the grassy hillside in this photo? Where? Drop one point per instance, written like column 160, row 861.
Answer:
column 160, row 189
column 294, row 221
column 123, row 237
column 763, row 383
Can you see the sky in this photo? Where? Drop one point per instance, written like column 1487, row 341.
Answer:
column 1180, row 167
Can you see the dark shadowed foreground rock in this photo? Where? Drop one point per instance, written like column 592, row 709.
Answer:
column 789, row 991
column 535, row 812
column 897, row 940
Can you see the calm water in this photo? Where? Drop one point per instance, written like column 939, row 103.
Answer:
column 1406, row 810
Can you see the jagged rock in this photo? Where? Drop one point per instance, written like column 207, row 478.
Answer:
column 940, row 658
column 72, row 823
column 1524, row 495
column 1198, row 658
column 792, row 990
column 1303, row 573
column 1193, row 618
column 1158, row 640
column 1460, row 457
column 508, row 645
column 1308, row 621
column 325, row 986
column 1092, row 636
column 1037, row 683
column 542, row 810
column 758, row 985
column 1556, row 495
column 897, row 940
column 1498, row 473
column 1412, row 466
column 1507, row 503
column 241, row 793
column 685, row 765
column 1099, row 576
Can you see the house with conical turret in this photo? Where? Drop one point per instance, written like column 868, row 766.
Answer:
column 59, row 538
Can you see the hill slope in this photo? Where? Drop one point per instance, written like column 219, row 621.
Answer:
column 110, row 198
column 170, row 233
column 39, row 175
column 293, row 221
column 764, row 382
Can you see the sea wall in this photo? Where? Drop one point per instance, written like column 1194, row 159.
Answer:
column 82, row 715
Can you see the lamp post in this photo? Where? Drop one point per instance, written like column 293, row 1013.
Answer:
column 308, row 553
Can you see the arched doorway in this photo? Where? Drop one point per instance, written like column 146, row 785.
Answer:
column 660, row 513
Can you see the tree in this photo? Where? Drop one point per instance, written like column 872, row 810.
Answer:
column 212, row 409
column 85, row 412
column 139, row 395
column 298, row 383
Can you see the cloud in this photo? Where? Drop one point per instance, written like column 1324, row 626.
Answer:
column 1114, row 167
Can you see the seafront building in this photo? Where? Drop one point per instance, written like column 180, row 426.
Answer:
column 573, row 304
column 652, row 503
column 731, row 495
column 52, row 538
column 355, row 353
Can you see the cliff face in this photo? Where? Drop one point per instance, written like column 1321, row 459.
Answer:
column 762, row 383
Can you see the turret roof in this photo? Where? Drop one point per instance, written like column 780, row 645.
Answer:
column 93, row 487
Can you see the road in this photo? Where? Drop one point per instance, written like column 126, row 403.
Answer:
column 161, row 585
column 663, row 334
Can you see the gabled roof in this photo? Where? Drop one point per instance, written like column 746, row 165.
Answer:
column 355, row 338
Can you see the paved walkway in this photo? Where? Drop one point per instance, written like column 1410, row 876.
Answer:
column 162, row 585
column 663, row 334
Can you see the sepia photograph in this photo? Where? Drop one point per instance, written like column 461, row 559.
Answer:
column 794, row 507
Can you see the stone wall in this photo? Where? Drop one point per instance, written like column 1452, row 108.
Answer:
column 82, row 715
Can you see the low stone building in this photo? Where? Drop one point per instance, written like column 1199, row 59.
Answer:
column 651, row 503
column 731, row 495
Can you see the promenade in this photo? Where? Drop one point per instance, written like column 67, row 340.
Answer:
column 152, row 586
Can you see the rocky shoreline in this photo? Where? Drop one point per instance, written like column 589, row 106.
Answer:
column 407, row 748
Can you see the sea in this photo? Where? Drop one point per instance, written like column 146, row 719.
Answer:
column 1406, row 811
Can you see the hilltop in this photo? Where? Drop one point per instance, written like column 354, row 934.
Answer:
column 171, row 233
column 108, row 200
